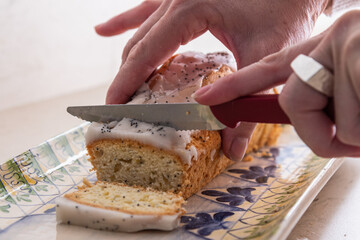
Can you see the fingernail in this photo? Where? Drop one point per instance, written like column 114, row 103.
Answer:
column 200, row 92
column 238, row 148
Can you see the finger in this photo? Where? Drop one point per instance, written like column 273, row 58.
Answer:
column 269, row 72
column 346, row 90
column 235, row 140
column 304, row 107
column 145, row 28
column 168, row 33
column 130, row 19
column 337, row 51
column 353, row 64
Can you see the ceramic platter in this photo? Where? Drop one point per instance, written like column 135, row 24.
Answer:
column 260, row 199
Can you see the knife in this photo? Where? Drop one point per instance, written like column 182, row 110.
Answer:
column 263, row 108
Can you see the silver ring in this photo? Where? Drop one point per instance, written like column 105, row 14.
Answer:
column 313, row 74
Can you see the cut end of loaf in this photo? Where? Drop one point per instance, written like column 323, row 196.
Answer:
column 136, row 164
column 132, row 163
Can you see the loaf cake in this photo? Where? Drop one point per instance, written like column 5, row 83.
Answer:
column 118, row 207
column 143, row 154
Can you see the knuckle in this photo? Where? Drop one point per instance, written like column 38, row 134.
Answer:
column 271, row 62
column 189, row 17
column 274, row 63
column 145, row 63
column 130, row 44
column 134, row 51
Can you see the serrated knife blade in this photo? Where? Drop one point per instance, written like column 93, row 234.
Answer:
column 181, row 116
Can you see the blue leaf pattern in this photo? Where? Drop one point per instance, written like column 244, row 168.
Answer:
column 205, row 223
column 261, row 175
column 235, row 196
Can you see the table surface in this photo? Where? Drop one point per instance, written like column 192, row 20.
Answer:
column 334, row 214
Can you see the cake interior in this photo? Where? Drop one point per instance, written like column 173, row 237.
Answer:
column 132, row 200
column 132, row 163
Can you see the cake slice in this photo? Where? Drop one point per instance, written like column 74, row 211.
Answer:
column 118, row 207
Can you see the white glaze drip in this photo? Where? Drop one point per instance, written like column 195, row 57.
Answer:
column 70, row 212
column 158, row 136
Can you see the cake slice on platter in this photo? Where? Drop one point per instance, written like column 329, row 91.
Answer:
column 118, row 207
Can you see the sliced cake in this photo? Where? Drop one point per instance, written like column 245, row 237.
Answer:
column 143, row 154
column 118, row 207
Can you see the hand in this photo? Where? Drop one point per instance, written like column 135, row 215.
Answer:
column 249, row 29
column 338, row 49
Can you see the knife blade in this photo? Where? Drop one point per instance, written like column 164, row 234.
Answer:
column 188, row 116
column 181, row 116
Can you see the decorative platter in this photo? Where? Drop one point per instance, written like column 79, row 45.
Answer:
column 260, row 199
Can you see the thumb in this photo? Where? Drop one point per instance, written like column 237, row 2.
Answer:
column 269, row 72
column 235, row 140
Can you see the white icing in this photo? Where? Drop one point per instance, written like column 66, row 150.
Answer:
column 181, row 78
column 161, row 137
column 70, row 212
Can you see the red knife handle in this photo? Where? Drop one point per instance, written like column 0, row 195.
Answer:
column 262, row 108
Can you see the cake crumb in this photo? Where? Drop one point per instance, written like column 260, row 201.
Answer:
column 248, row 158
column 86, row 182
